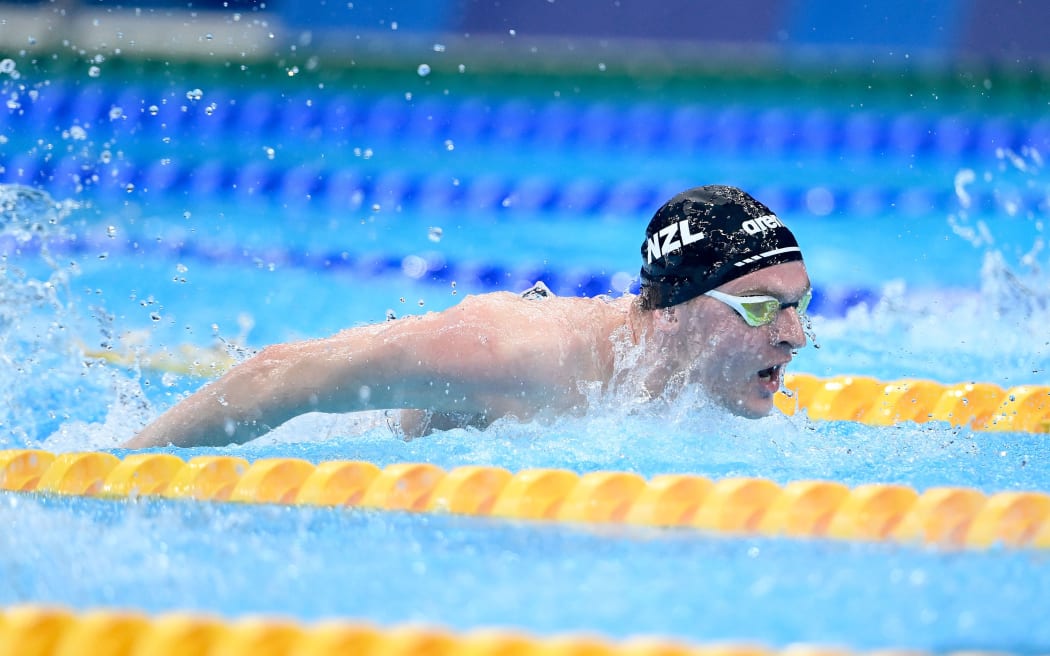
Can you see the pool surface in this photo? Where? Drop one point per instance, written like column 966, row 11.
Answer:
column 204, row 213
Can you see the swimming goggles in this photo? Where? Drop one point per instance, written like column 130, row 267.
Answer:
column 760, row 310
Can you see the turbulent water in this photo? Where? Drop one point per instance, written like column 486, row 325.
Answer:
column 49, row 386
column 56, row 397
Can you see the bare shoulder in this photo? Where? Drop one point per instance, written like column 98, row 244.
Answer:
column 585, row 317
column 504, row 318
column 508, row 328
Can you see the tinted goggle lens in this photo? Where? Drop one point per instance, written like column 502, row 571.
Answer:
column 762, row 310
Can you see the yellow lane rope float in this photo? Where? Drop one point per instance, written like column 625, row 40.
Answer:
column 52, row 631
column 979, row 406
column 953, row 517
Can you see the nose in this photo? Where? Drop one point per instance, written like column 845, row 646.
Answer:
column 788, row 329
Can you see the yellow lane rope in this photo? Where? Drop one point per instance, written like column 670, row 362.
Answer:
column 32, row 630
column 955, row 517
column 186, row 360
column 979, row 406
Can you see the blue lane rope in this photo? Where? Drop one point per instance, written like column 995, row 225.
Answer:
column 324, row 116
column 341, row 189
column 469, row 275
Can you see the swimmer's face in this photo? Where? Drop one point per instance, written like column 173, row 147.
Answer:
column 741, row 366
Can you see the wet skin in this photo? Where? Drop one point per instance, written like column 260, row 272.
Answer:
column 499, row 355
column 739, row 366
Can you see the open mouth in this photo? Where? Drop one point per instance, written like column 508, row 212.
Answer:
column 772, row 375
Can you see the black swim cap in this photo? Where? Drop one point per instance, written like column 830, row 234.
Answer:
column 705, row 237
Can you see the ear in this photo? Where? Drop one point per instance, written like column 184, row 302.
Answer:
column 665, row 320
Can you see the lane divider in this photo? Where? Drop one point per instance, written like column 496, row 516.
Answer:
column 471, row 275
column 978, row 406
column 595, row 124
column 38, row 630
column 187, row 360
column 955, row 517
column 343, row 188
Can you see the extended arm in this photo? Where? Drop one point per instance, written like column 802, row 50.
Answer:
column 468, row 359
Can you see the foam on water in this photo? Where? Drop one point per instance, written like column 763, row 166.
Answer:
column 686, row 438
column 48, row 384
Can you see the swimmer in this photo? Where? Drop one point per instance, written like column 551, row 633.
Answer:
column 721, row 304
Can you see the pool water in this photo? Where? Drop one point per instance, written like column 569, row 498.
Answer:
column 242, row 227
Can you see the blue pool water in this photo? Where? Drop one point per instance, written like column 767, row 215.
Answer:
column 466, row 572
column 921, row 272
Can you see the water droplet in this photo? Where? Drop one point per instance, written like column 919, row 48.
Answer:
column 154, row 110
column 434, row 234
column 421, row 303
column 439, row 47
column 78, row 133
column 270, row 152
column 449, row 145
column 111, row 231
column 601, row 66
column 7, row 66
column 390, row 315
column 462, row 68
column 209, row 36
column 293, row 71
column 513, row 32
column 154, row 316
column 94, row 71
column 129, row 187
column 414, row 266
column 194, row 94
column 423, row 70
column 115, row 113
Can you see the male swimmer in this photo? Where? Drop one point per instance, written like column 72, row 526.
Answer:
column 721, row 304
